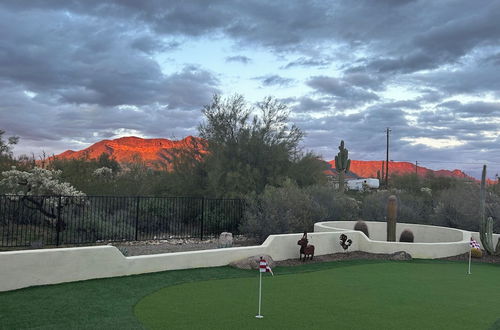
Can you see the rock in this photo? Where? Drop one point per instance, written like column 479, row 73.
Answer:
column 400, row 255
column 225, row 240
column 252, row 262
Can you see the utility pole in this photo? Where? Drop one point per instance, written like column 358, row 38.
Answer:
column 416, row 167
column 388, row 130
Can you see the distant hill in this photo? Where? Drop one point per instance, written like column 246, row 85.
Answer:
column 155, row 153
column 368, row 169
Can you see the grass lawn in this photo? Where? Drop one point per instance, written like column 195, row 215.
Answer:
column 342, row 295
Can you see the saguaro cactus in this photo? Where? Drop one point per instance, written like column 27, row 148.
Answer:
column 486, row 225
column 342, row 164
column 392, row 210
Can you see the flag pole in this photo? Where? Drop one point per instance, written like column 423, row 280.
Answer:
column 470, row 254
column 260, row 294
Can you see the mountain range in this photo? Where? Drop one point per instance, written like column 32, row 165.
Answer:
column 371, row 169
column 158, row 153
column 155, row 153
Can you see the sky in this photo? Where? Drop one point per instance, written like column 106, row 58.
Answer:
column 75, row 72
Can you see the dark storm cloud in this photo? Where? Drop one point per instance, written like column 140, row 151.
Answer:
column 77, row 60
column 239, row 58
column 344, row 94
column 307, row 62
column 472, row 109
column 308, row 104
column 477, row 77
column 189, row 89
column 274, row 80
column 495, row 59
column 85, row 59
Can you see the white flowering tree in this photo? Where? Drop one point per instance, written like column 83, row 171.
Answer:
column 27, row 186
column 103, row 173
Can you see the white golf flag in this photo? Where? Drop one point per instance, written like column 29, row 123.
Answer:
column 263, row 267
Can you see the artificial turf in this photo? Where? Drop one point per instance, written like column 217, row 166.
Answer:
column 363, row 296
column 342, row 295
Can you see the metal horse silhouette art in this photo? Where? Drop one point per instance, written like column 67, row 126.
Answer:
column 344, row 242
column 305, row 249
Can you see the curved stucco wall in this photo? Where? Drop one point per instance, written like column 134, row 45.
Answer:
column 378, row 231
column 430, row 241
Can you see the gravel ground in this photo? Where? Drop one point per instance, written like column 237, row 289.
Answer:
column 175, row 245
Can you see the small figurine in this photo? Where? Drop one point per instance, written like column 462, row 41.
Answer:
column 305, row 249
column 344, row 242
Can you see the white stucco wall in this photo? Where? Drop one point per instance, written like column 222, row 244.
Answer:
column 19, row 269
column 378, row 231
column 430, row 241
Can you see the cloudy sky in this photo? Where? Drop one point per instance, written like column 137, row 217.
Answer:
column 76, row 72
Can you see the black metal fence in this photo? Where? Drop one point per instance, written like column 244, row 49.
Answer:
column 58, row 220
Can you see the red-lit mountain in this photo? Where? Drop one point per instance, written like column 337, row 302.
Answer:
column 155, row 153
column 368, row 169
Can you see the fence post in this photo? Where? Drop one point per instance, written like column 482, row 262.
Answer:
column 58, row 221
column 137, row 218
column 202, row 217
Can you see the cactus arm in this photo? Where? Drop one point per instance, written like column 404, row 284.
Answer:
column 486, row 225
column 342, row 164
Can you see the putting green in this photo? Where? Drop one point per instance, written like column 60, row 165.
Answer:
column 390, row 295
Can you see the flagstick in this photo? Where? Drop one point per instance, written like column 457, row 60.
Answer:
column 260, row 295
column 470, row 253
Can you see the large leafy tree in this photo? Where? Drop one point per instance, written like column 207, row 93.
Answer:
column 249, row 147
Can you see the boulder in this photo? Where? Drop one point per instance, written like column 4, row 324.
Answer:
column 252, row 262
column 225, row 240
column 400, row 255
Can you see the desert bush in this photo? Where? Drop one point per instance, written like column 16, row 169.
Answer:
column 336, row 205
column 374, row 206
column 458, row 207
column 361, row 226
column 97, row 226
column 280, row 210
column 412, row 207
column 345, row 208
column 406, row 236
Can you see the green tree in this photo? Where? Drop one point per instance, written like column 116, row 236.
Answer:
column 6, row 157
column 250, row 147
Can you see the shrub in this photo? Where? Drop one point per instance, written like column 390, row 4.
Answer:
column 361, row 226
column 345, row 208
column 286, row 209
column 336, row 205
column 406, row 236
